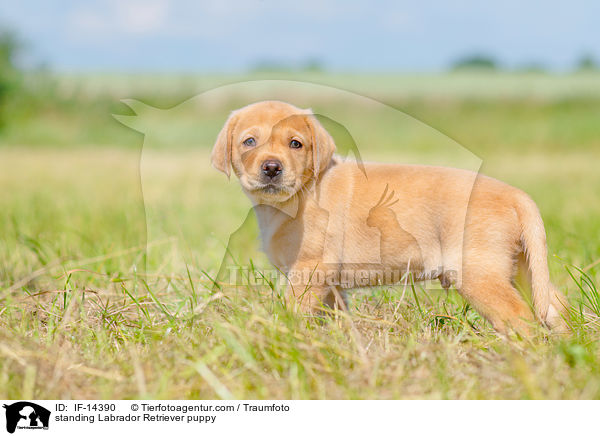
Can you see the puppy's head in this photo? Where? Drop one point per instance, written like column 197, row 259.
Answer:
column 274, row 148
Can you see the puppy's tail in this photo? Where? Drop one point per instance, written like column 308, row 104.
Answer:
column 533, row 240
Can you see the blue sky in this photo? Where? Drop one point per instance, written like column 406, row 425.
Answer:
column 186, row 35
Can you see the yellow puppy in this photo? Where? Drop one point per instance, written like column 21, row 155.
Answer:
column 331, row 225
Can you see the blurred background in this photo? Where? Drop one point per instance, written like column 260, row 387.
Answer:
column 64, row 67
column 517, row 85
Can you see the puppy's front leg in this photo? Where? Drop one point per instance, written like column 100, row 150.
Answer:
column 313, row 290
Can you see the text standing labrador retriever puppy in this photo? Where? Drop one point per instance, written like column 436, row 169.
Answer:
column 331, row 225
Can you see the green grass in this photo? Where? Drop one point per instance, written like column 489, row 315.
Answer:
column 108, row 294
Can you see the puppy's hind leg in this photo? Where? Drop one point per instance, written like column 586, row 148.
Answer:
column 494, row 297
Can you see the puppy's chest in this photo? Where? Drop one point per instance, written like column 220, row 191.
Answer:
column 288, row 240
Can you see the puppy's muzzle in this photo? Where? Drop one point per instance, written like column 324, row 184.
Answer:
column 271, row 169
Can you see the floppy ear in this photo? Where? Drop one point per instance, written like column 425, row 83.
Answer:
column 220, row 157
column 323, row 145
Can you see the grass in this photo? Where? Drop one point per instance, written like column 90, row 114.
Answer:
column 108, row 294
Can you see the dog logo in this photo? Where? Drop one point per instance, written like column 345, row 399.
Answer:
column 26, row 415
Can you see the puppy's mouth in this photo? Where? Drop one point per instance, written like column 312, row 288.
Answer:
column 271, row 188
column 274, row 189
column 271, row 191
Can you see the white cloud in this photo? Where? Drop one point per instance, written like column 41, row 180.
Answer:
column 141, row 16
column 113, row 17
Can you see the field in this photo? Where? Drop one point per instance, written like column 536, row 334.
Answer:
column 110, row 242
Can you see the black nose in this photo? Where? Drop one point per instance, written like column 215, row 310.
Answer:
column 271, row 168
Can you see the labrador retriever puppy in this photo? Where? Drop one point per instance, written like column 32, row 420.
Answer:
column 331, row 225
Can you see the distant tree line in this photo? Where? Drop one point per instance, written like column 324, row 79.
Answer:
column 273, row 66
column 481, row 62
column 485, row 62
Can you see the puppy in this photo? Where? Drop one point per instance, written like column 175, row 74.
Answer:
column 332, row 225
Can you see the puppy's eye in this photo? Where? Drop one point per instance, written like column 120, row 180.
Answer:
column 250, row 142
column 295, row 144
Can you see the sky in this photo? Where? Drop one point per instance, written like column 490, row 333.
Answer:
column 233, row 36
